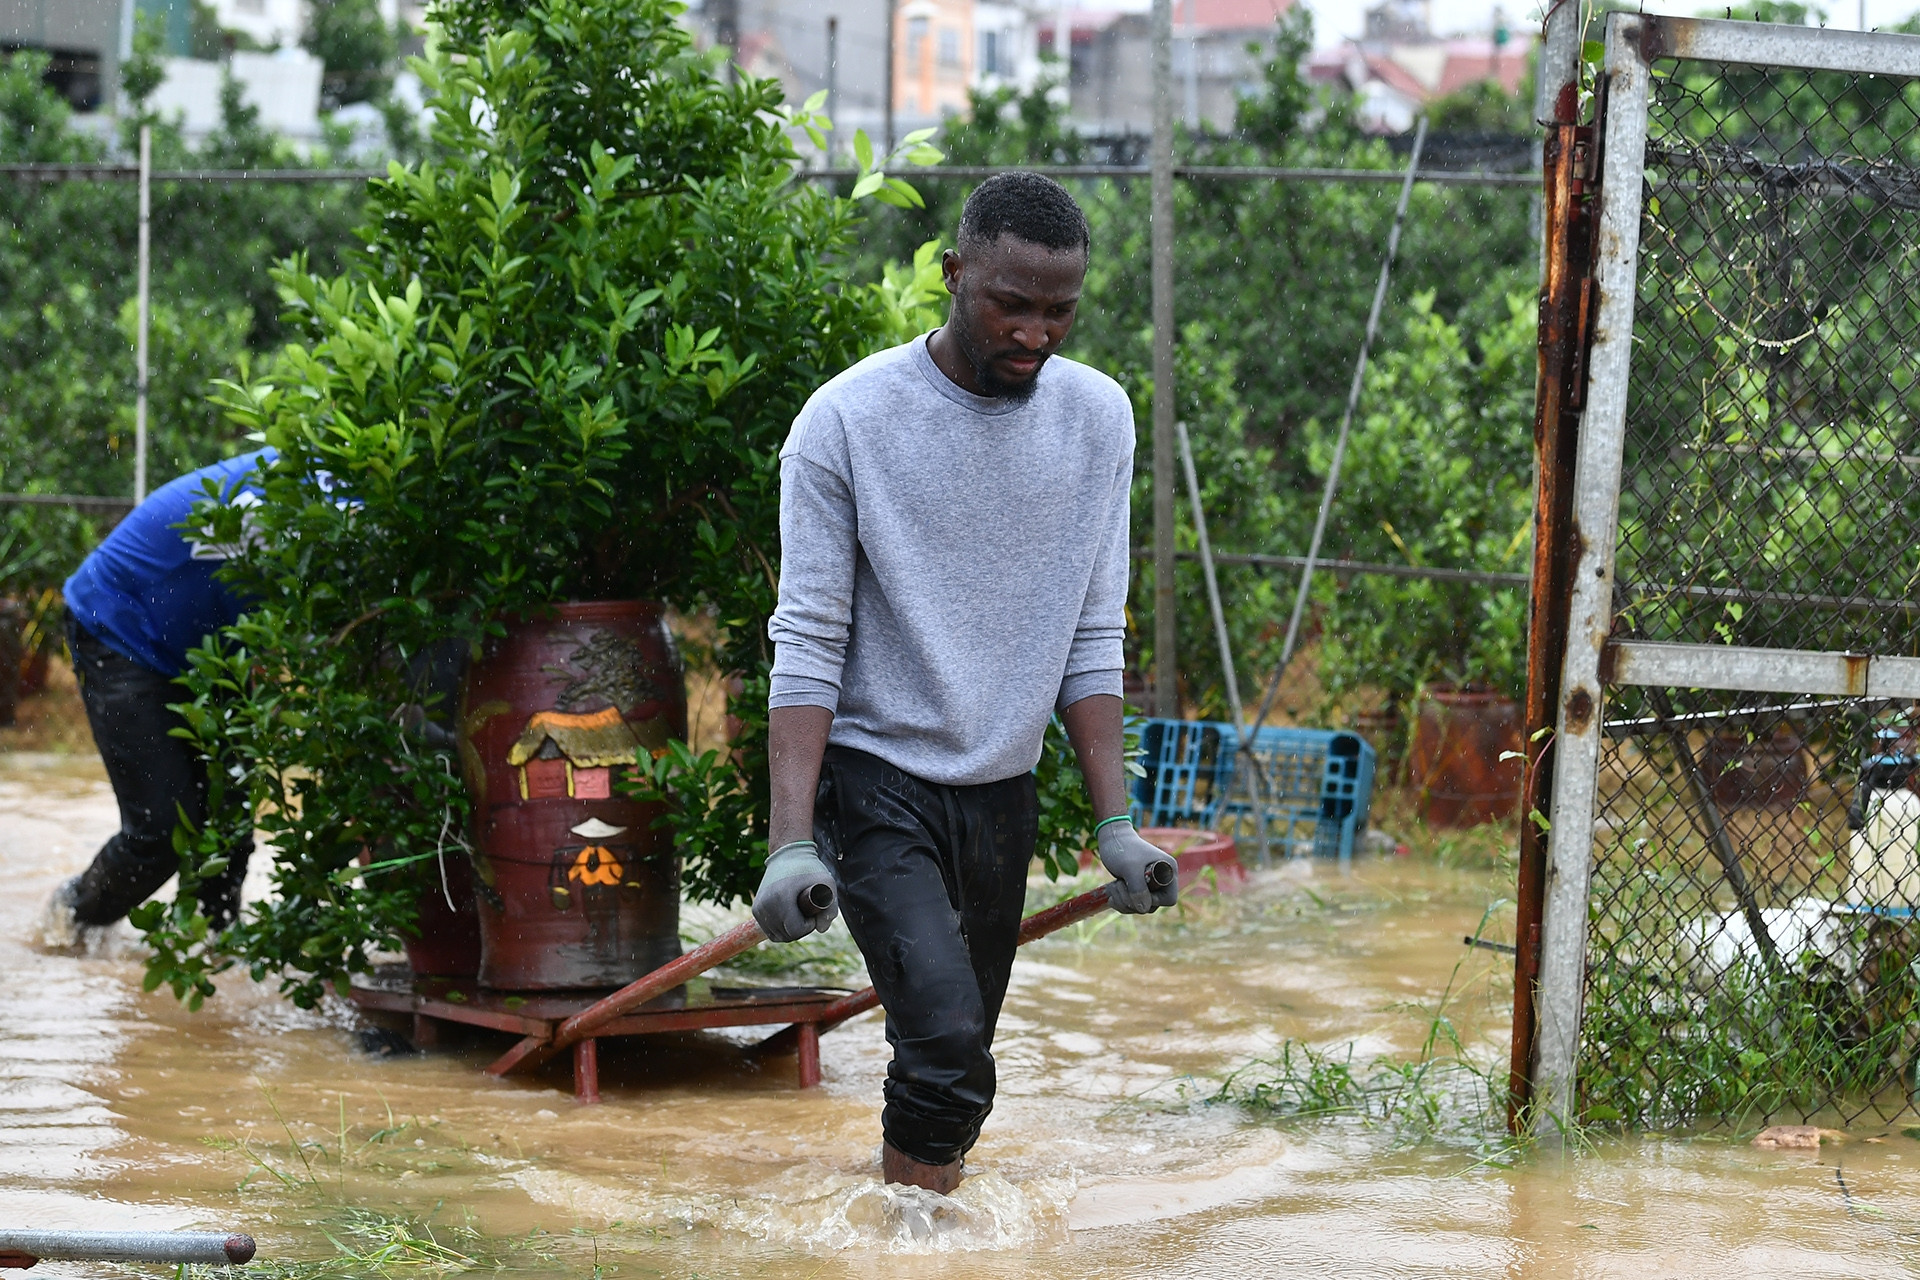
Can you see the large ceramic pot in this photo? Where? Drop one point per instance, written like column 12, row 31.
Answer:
column 576, row 887
column 1765, row 772
column 1455, row 762
column 449, row 941
column 447, row 944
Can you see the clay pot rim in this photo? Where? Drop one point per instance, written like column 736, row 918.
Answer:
column 589, row 610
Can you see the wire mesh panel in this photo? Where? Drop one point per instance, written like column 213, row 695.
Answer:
column 1752, row 947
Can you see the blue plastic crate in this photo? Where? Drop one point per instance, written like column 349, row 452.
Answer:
column 1188, row 764
column 1318, row 783
column 1322, row 777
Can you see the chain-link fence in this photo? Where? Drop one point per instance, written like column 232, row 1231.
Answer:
column 1752, row 947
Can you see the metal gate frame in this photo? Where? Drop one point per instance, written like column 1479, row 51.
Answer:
column 1552, row 1008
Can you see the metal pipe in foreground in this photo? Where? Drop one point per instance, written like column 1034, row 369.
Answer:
column 211, row 1248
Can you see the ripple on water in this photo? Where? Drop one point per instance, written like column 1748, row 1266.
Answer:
column 813, row 1211
column 65, row 1021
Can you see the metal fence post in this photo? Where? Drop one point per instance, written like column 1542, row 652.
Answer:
column 833, row 87
column 1166, row 678
column 1596, row 512
column 140, row 322
column 893, row 53
column 1565, row 263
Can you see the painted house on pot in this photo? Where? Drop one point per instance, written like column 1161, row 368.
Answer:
column 572, row 755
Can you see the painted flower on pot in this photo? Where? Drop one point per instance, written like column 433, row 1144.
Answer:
column 595, row 864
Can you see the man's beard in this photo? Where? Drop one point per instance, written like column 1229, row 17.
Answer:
column 992, row 384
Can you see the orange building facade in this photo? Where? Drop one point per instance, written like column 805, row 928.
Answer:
column 933, row 58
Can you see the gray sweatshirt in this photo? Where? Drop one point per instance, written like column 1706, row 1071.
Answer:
column 953, row 568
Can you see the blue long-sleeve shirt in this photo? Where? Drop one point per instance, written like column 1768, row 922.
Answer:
column 149, row 592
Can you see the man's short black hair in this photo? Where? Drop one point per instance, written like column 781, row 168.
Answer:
column 1029, row 205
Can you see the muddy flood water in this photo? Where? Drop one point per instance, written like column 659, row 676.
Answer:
column 1110, row 1153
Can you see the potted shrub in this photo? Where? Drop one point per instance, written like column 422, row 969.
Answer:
column 559, row 371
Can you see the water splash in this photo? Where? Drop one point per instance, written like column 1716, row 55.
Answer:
column 985, row 1212
column 815, row 1212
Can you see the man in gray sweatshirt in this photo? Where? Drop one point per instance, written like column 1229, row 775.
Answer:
column 953, row 524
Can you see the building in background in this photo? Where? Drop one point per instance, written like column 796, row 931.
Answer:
column 1219, row 49
column 283, row 85
column 788, row 40
column 940, row 50
column 271, row 23
column 1006, row 42
column 1399, row 65
column 932, row 60
column 88, row 40
column 81, row 37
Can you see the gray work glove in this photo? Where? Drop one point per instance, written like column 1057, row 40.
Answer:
column 796, row 895
column 1145, row 877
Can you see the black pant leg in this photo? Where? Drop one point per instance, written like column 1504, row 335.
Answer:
column 155, row 777
column 999, row 824
column 885, row 832
column 932, row 881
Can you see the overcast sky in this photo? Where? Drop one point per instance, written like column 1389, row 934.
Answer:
column 1336, row 19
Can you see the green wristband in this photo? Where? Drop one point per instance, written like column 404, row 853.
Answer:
column 1104, row 822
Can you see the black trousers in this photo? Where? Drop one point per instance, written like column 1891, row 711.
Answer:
column 155, row 777
column 932, row 882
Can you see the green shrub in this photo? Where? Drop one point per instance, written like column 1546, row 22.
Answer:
column 1439, row 472
column 561, row 367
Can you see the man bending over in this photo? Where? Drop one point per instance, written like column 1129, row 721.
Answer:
column 953, row 522
column 137, row 604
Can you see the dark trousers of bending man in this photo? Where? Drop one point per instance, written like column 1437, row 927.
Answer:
column 953, row 521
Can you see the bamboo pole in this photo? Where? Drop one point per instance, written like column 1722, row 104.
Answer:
column 1213, row 582
column 1166, row 671
column 1346, row 424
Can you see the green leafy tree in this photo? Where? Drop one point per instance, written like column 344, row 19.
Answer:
column 209, row 40
column 561, row 367
column 1271, row 118
column 67, row 253
column 1438, row 473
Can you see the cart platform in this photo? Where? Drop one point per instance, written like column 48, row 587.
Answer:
column 675, row 997
column 697, row 1006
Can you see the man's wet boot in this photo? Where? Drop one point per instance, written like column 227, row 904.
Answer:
column 897, row 1166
